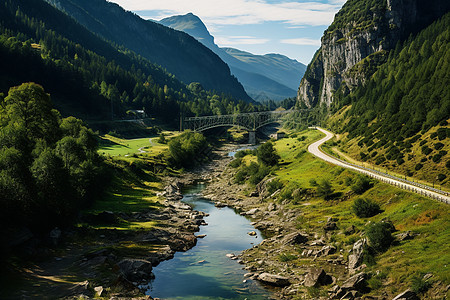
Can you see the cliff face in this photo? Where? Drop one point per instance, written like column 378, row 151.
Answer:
column 359, row 40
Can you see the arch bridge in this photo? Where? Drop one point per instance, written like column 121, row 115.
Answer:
column 248, row 121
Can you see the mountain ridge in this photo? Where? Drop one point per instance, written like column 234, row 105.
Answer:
column 280, row 72
column 179, row 53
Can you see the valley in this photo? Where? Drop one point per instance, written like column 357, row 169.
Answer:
column 144, row 159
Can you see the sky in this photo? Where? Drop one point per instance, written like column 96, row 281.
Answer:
column 289, row 27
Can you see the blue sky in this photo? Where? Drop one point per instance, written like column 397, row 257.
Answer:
column 289, row 27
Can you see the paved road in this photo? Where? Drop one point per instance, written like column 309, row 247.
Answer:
column 314, row 148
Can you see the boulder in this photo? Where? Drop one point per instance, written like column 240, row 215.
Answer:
column 316, row 277
column 252, row 212
column 326, row 250
column 135, row 269
column 106, row 217
column 98, row 291
column 356, row 257
column 272, row 279
column 404, row 236
column 356, row 282
column 407, row 295
column 294, row 238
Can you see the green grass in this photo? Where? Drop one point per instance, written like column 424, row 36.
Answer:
column 115, row 146
column 427, row 252
column 127, row 198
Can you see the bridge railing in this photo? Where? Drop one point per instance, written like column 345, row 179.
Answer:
column 249, row 121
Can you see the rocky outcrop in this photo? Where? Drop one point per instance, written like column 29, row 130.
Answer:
column 356, row 257
column 316, row 277
column 135, row 269
column 341, row 64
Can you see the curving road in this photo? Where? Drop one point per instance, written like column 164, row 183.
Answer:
column 314, row 148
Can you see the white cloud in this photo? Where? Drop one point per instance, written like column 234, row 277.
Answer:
column 240, row 40
column 241, row 12
column 302, row 42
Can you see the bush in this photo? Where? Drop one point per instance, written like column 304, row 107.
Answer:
column 256, row 177
column 267, row 155
column 324, row 189
column 447, row 164
column 441, row 177
column 418, row 166
column 283, row 257
column 235, row 163
column 438, row 146
column 365, row 208
column 361, row 184
column 426, row 150
column 380, row 236
column 419, row 285
column 437, row 158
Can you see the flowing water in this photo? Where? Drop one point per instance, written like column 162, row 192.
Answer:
column 204, row 272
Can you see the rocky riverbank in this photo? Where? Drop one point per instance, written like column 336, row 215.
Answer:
column 322, row 264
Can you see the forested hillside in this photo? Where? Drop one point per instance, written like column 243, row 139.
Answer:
column 176, row 51
column 400, row 116
column 87, row 76
column 49, row 167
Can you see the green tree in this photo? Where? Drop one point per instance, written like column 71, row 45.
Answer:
column 267, row 154
column 28, row 106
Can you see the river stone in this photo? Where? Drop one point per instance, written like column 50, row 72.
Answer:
column 275, row 280
column 294, row 239
column 252, row 212
column 407, row 295
column 252, row 233
column 135, row 269
column 316, row 277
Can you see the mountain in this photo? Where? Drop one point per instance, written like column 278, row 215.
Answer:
column 358, row 40
column 380, row 79
column 270, row 76
column 91, row 78
column 176, row 51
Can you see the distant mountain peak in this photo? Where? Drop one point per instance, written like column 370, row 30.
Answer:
column 270, row 76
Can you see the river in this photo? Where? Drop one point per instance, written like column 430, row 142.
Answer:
column 204, row 272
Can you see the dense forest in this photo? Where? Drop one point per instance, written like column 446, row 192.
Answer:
column 49, row 167
column 89, row 77
column 181, row 54
column 405, row 98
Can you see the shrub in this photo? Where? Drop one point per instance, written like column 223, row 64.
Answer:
column 418, row 166
column 365, row 208
column 419, row 285
column 236, row 162
column 437, row 158
column 162, row 139
column 380, row 236
column 438, row 146
column 256, row 177
column 441, row 177
column 426, row 150
column 361, row 184
column 447, row 164
column 442, row 133
column 313, row 182
column 283, row 257
column 324, row 188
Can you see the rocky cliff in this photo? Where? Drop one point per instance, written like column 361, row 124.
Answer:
column 359, row 39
